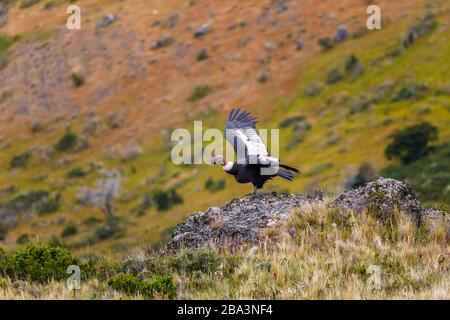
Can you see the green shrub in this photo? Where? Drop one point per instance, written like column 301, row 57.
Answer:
column 50, row 205
column 429, row 176
column 164, row 285
column 67, row 142
column 411, row 143
column 188, row 261
column 69, row 230
column 76, row 173
column 334, row 76
column 26, row 200
column 410, row 91
column 125, row 283
column 199, row 93
column 326, row 43
column 20, row 161
column 132, row 285
column 215, row 186
column 54, row 241
column 164, row 200
column 23, row 239
column 40, row 263
column 202, row 55
column 77, row 79
column 89, row 221
column 108, row 230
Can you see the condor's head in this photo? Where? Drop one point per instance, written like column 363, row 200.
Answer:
column 220, row 159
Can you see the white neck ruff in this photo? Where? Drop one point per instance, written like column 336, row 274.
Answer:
column 228, row 166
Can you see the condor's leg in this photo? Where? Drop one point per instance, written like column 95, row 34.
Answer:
column 255, row 188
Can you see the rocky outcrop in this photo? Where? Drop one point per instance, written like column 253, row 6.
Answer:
column 238, row 222
column 384, row 196
column 243, row 220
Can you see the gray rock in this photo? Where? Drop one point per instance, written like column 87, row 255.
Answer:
column 341, row 34
column 238, row 222
column 242, row 221
column 383, row 195
column 162, row 42
column 202, row 31
column 298, row 44
column 107, row 20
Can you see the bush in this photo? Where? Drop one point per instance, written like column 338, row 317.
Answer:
column 126, row 283
column 215, row 186
column 411, row 143
column 76, row 173
column 50, row 205
column 199, row 93
column 188, row 261
column 89, row 221
column 20, row 161
column 326, row 43
column 108, row 230
column 334, row 76
column 69, row 230
column 132, row 285
column 353, row 67
column 54, row 241
column 67, row 142
column 26, row 200
column 410, row 91
column 164, row 200
column 429, row 176
column 164, row 285
column 77, row 79
column 202, row 55
column 40, row 263
column 23, row 239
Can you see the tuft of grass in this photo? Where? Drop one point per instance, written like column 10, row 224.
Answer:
column 67, row 142
column 199, row 93
column 20, row 161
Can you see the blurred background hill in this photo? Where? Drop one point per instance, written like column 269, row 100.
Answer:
column 86, row 116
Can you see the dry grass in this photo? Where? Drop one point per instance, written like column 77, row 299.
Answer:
column 319, row 254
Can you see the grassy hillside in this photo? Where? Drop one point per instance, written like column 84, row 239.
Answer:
column 335, row 109
column 324, row 255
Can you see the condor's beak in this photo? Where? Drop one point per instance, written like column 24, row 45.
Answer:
column 213, row 161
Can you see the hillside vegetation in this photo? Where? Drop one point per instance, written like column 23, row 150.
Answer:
column 320, row 254
column 85, row 124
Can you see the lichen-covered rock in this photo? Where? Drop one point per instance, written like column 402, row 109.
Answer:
column 383, row 196
column 238, row 222
column 242, row 221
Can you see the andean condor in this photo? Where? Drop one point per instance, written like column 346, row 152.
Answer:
column 253, row 163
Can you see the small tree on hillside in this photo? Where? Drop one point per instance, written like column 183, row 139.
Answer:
column 411, row 143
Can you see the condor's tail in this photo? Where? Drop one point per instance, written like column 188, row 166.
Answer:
column 285, row 174
column 285, row 166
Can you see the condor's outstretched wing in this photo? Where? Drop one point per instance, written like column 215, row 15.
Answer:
column 240, row 131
